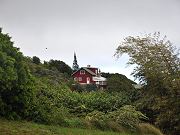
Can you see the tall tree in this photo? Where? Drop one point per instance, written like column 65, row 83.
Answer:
column 158, row 68
column 15, row 80
column 60, row 66
column 36, row 60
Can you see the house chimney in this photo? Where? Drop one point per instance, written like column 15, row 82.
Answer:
column 88, row 65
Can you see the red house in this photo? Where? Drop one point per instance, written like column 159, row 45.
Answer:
column 89, row 75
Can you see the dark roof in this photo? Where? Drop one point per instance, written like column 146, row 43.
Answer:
column 89, row 71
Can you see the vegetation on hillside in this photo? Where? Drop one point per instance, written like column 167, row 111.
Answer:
column 158, row 69
column 16, row 83
column 42, row 93
column 29, row 128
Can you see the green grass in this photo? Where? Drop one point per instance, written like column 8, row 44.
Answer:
column 29, row 128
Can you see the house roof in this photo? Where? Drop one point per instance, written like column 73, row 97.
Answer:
column 89, row 71
column 99, row 78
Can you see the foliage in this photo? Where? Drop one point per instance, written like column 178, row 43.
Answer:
column 43, row 93
column 145, row 128
column 47, row 106
column 127, row 116
column 90, row 87
column 155, row 58
column 158, row 68
column 56, row 104
column 121, row 84
column 16, row 88
column 36, row 60
column 122, row 77
column 76, row 87
column 60, row 66
column 53, row 94
column 45, row 109
column 97, row 119
column 30, row 128
column 105, row 102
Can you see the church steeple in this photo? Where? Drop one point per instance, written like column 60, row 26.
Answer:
column 75, row 65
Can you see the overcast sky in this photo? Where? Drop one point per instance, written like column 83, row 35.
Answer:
column 91, row 28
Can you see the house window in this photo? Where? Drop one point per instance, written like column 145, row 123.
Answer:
column 80, row 78
column 82, row 72
column 75, row 79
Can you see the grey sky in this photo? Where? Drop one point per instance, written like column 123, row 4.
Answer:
column 91, row 28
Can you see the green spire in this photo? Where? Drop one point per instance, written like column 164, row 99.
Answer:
column 75, row 65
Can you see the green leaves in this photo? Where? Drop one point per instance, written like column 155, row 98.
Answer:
column 60, row 66
column 127, row 116
column 158, row 68
column 15, row 81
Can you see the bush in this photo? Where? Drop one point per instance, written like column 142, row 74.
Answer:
column 97, row 120
column 114, row 126
column 61, row 66
column 124, row 119
column 127, row 116
column 36, row 60
column 90, row 87
column 16, row 83
column 118, row 83
column 45, row 111
column 105, row 102
column 76, row 87
column 76, row 123
column 145, row 128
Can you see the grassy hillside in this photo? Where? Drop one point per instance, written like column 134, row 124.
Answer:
column 45, row 93
column 28, row 128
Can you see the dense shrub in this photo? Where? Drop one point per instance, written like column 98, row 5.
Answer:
column 145, row 128
column 90, row 87
column 117, row 83
column 157, row 67
column 36, row 60
column 16, row 84
column 127, row 116
column 76, row 87
column 47, row 107
column 61, row 66
column 105, row 102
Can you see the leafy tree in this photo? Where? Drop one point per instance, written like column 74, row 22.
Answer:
column 60, row 66
column 36, row 60
column 155, row 58
column 128, row 116
column 91, row 87
column 158, row 68
column 15, row 80
column 76, row 87
column 122, row 77
column 119, row 83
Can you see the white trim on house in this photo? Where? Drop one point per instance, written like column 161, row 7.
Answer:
column 99, row 78
column 80, row 78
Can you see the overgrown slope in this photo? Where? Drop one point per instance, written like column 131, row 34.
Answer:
column 28, row 128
